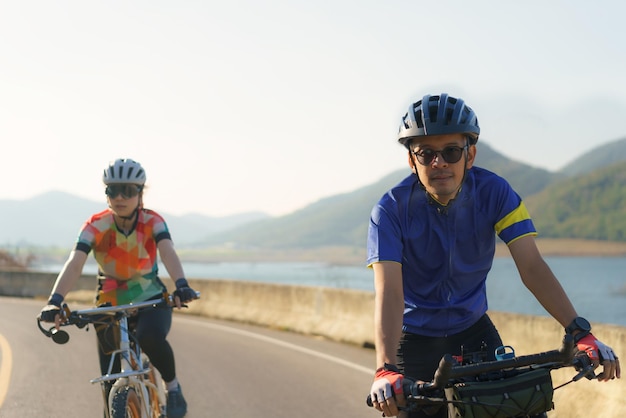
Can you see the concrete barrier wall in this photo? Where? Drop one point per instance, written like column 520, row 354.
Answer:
column 34, row 284
column 347, row 316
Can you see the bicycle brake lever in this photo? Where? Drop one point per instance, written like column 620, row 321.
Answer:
column 585, row 372
column 584, row 367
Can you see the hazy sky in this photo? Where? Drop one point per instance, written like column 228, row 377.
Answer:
column 236, row 106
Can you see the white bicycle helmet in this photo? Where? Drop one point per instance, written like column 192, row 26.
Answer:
column 124, row 170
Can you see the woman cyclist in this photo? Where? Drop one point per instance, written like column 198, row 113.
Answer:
column 125, row 240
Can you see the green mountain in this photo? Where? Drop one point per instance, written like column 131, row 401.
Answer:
column 585, row 206
column 599, row 157
column 340, row 220
column 526, row 180
column 586, row 199
column 588, row 206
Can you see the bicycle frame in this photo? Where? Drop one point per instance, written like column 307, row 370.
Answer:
column 135, row 370
column 132, row 374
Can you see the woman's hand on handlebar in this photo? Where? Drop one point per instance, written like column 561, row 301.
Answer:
column 387, row 393
column 50, row 313
column 183, row 293
column 601, row 354
column 53, row 313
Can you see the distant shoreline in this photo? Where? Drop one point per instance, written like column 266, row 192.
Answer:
column 357, row 256
column 354, row 256
column 573, row 248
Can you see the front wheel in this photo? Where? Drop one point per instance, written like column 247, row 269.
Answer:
column 125, row 404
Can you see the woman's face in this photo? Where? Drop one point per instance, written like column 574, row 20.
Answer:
column 123, row 199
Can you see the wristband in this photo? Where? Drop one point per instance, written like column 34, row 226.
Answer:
column 579, row 336
column 56, row 299
column 388, row 368
column 182, row 282
column 578, row 324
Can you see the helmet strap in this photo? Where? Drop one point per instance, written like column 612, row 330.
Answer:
column 135, row 211
column 131, row 216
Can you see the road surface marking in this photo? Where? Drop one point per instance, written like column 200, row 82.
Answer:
column 290, row 346
column 5, row 367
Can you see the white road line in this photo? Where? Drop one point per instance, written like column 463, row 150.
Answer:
column 5, row 367
column 290, row 346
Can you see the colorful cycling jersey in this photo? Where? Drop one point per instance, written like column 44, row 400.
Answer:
column 127, row 263
column 445, row 251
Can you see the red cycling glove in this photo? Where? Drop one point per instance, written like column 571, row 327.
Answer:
column 594, row 349
column 387, row 382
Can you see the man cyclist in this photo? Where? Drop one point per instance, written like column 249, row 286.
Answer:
column 125, row 239
column 431, row 243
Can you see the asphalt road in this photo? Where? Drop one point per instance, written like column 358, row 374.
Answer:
column 225, row 369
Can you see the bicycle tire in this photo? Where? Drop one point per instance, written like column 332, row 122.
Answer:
column 126, row 404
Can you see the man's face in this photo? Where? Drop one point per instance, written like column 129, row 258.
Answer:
column 441, row 178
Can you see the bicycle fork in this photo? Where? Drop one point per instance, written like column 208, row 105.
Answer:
column 132, row 374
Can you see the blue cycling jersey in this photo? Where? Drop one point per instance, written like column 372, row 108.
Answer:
column 445, row 251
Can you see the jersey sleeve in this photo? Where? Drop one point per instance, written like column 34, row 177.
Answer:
column 160, row 231
column 384, row 238
column 512, row 219
column 87, row 234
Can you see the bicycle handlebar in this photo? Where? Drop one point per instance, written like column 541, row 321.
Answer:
column 562, row 356
column 448, row 368
column 80, row 318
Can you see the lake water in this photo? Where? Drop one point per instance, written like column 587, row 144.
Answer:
column 596, row 285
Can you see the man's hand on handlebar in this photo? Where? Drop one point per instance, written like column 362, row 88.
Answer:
column 601, row 354
column 387, row 391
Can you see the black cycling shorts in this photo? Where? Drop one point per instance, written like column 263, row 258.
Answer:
column 419, row 356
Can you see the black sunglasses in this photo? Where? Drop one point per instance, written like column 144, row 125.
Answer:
column 126, row 190
column 451, row 155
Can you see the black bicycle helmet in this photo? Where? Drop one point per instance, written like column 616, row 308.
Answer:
column 438, row 115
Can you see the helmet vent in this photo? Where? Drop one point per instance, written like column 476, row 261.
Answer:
column 449, row 113
column 419, row 118
column 466, row 115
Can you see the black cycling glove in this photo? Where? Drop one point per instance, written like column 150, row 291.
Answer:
column 183, row 291
column 52, row 309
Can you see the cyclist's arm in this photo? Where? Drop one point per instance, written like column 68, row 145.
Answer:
column 70, row 273
column 388, row 311
column 540, row 280
column 170, row 259
column 67, row 278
